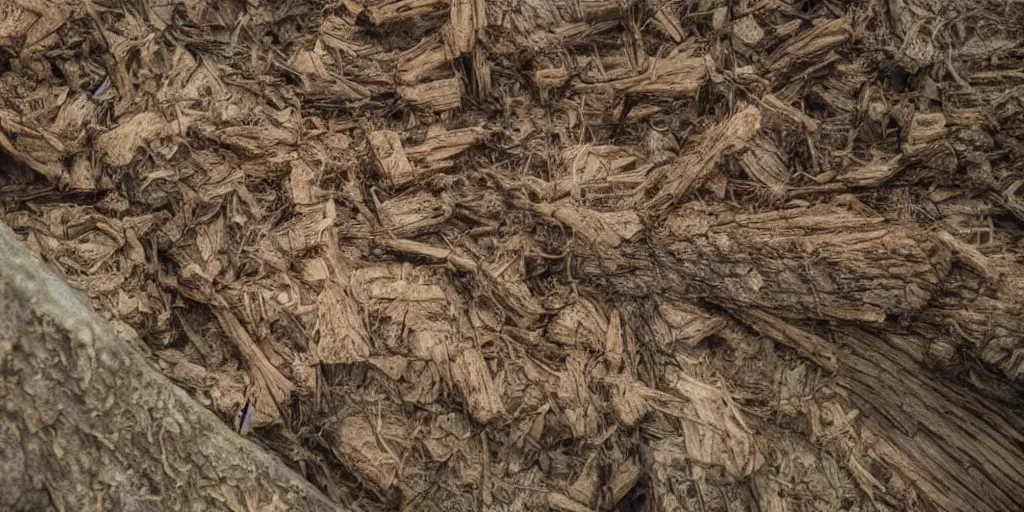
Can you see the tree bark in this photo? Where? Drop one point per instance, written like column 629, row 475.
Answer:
column 87, row 424
column 960, row 447
column 824, row 263
column 834, row 286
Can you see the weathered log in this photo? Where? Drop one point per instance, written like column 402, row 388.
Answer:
column 824, row 263
column 87, row 424
column 961, row 448
column 980, row 309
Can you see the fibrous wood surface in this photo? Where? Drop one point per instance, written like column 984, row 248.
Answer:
column 89, row 425
column 570, row 254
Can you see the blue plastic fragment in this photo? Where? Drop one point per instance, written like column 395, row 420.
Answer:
column 248, row 413
column 100, row 93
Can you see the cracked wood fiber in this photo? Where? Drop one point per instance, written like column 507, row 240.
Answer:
column 961, row 447
column 517, row 255
column 87, row 424
column 822, row 263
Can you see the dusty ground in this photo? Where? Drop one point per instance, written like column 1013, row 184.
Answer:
column 568, row 254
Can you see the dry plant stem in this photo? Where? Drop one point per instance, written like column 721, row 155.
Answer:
column 266, row 374
column 678, row 179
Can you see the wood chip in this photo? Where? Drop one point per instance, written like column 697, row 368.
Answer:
column 392, row 161
column 436, row 96
column 571, row 254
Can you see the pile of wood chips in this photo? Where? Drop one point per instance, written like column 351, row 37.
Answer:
column 553, row 254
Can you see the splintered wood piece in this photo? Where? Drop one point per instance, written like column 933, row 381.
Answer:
column 599, row 10
column 813, row 43
column 853, row 248
column 50, row 169
column 467, row 19
column 471, row 375
column 279, row 387
column 307, row 229
column 673, row 77
column 411, row 302
column 628, row 401
column 342, row 337
column 559, row 501
column 482, row 86
column 588, row 484
column 613, row 344
column 690, row 171
column 805, row 343
column 575, row 33
column 302, row 182
column 394, row 11
column 310, row 64
column 925, row 128
column 667, row 21
column 405, row 283
column 550, row 78
column 356, row 444
column 714, row 431
column 508, row 289
column 415, row 63
column 392, row 366
column 436, row 96
column 447, row 144
column 118, row 146
column 580, row 324
column 769, row 492
column 588, row 165
column 625, row 476
column 414, row 214
column 872, row 174
column 457, row 37
column 689, row 324
column 343, row 34
column 765, row 163
column 970, row 256
column 506, row 275
column 253, row 140
column 608, row 229
column 774, row 103
column 429, row 251
column 938, row 155
column 391, row 159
